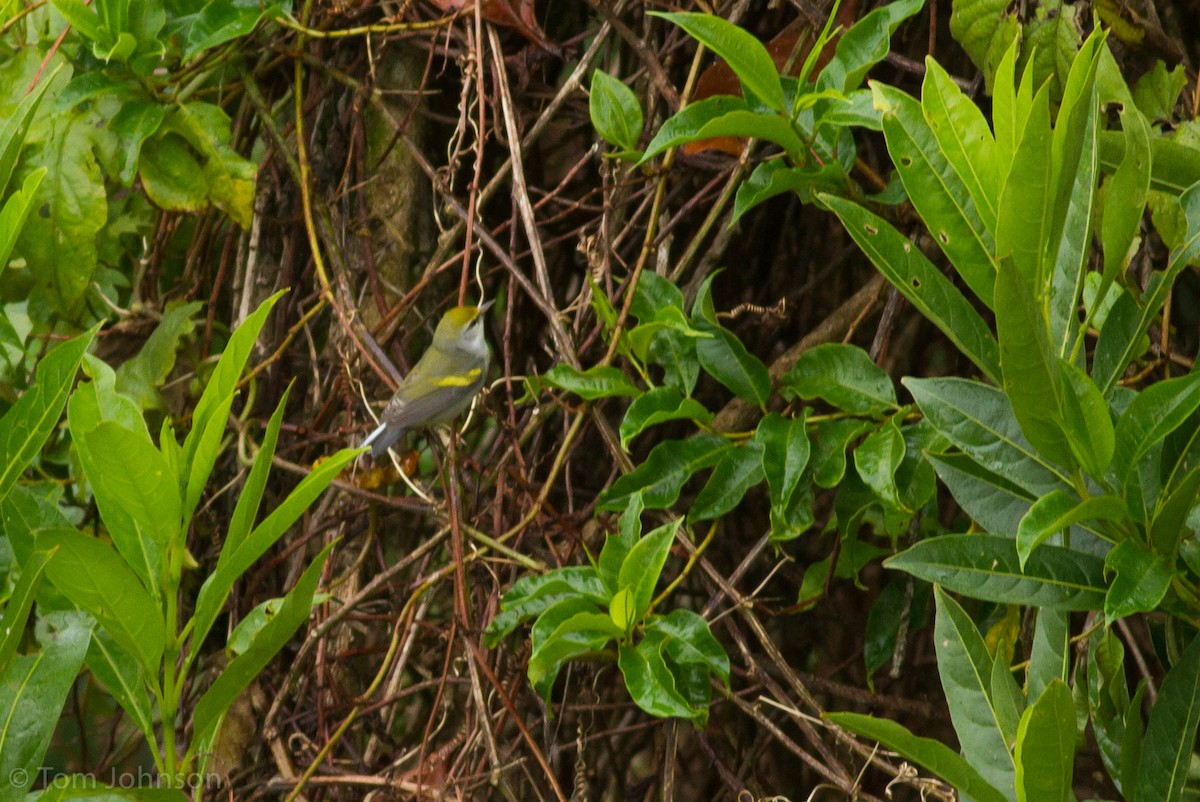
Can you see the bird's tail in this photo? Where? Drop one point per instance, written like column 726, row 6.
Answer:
column 381, row 439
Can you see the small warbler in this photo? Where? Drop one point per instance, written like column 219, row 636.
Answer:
column 443, row 382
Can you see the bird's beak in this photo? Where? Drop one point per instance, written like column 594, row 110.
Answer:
column 486, row 305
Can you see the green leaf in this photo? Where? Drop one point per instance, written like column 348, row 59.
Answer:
column 18, row 605
column 579, row 634
column 965, row 668
column 1045, row 750
column 136, row 121
column 202, row 444
column 1108, row 700
column 1050, row 655
column 828, row 462
column 643, row 566
column 241, row 671
column 33, row 693
column 915, row 277
column 1032, row 380
column 1149, row 306
column 172, row 175
column 1060, row 510
column 1152, row 415
column 659, row 405
column 877, row 459
column 137, row 494
column 59, row 241
column 1086, row 420
column 123, row 678
column 1125, row 194
column 600, row 381
column 615, row 112
column 531, row 596
column 984, row 28
column 15, row 130
column 987, row 567
column 1141, row 580
column 744, row 54
column 245, row 512
column 688, row 640
column 140, row 377
column 739, row 469
column 1166, row 754
column 991, row 500
column 725, row 359
column 15, row 212
column 238, row 555
column 785, row 454
column 865, row 44
column 1157, row 91
column 661, row 477
column 930, row 754
column 28, row 423
column 651, row 683
column 92, row 575
column 979, row 420
column 842, row 375
column 219, row 21
column 940, row 194
column 1024, row 216
column 616, row 546
column 685, row 126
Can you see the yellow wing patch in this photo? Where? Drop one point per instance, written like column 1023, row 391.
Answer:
column 461, row 380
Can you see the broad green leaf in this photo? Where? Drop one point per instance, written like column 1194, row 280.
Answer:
column 1152, row 415
column 141, row 376
column 1119, row 340
column 831, row 439
column 1086, row 420
column 987, row 567
column 877, row 458
column 1157, row 91
column 28, row 423
column 200, row 447
column 137, row 120
column 1167, row 526
column 667, row 468
column 725, row 358
column 245, row 512
column 865, row 44
column 1060, row 510
column 124, row 678
column 1073, row 193
column 615, row 112
column 777, row 176
column 740, row 468
column 15, row 212
column 965, row 669
column 172, row 175
column 744, row 54
column 1125, row 194
column 18, row 604
column 219, row 21
column 531, row 596
column 903, row 264
column 1045, row 750
column 92, row 575
column 655, row 295
column 932, row 755
column 643, row 565
column 685, row 126
column 964, row 139
column 1032, row 381
column 1141, row 579
column 991, row 500
column 59, row 241
column 979, row 420
column 14, row 131
column 656, row 406
column 651, row 683
column 1108, row 699
column 241, row 671
column 1024, row 219
column 237, row 557
column 1151, row 302
column 1050, row 655
column 600, row 381
column 937, row 190
column 33, row 693
column 1166, row 753
column 985, row 29
column 580, row 634
column 616, row 546
column 842, row 375
column 785, row 454
column 621, row 611
column 688, row 640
